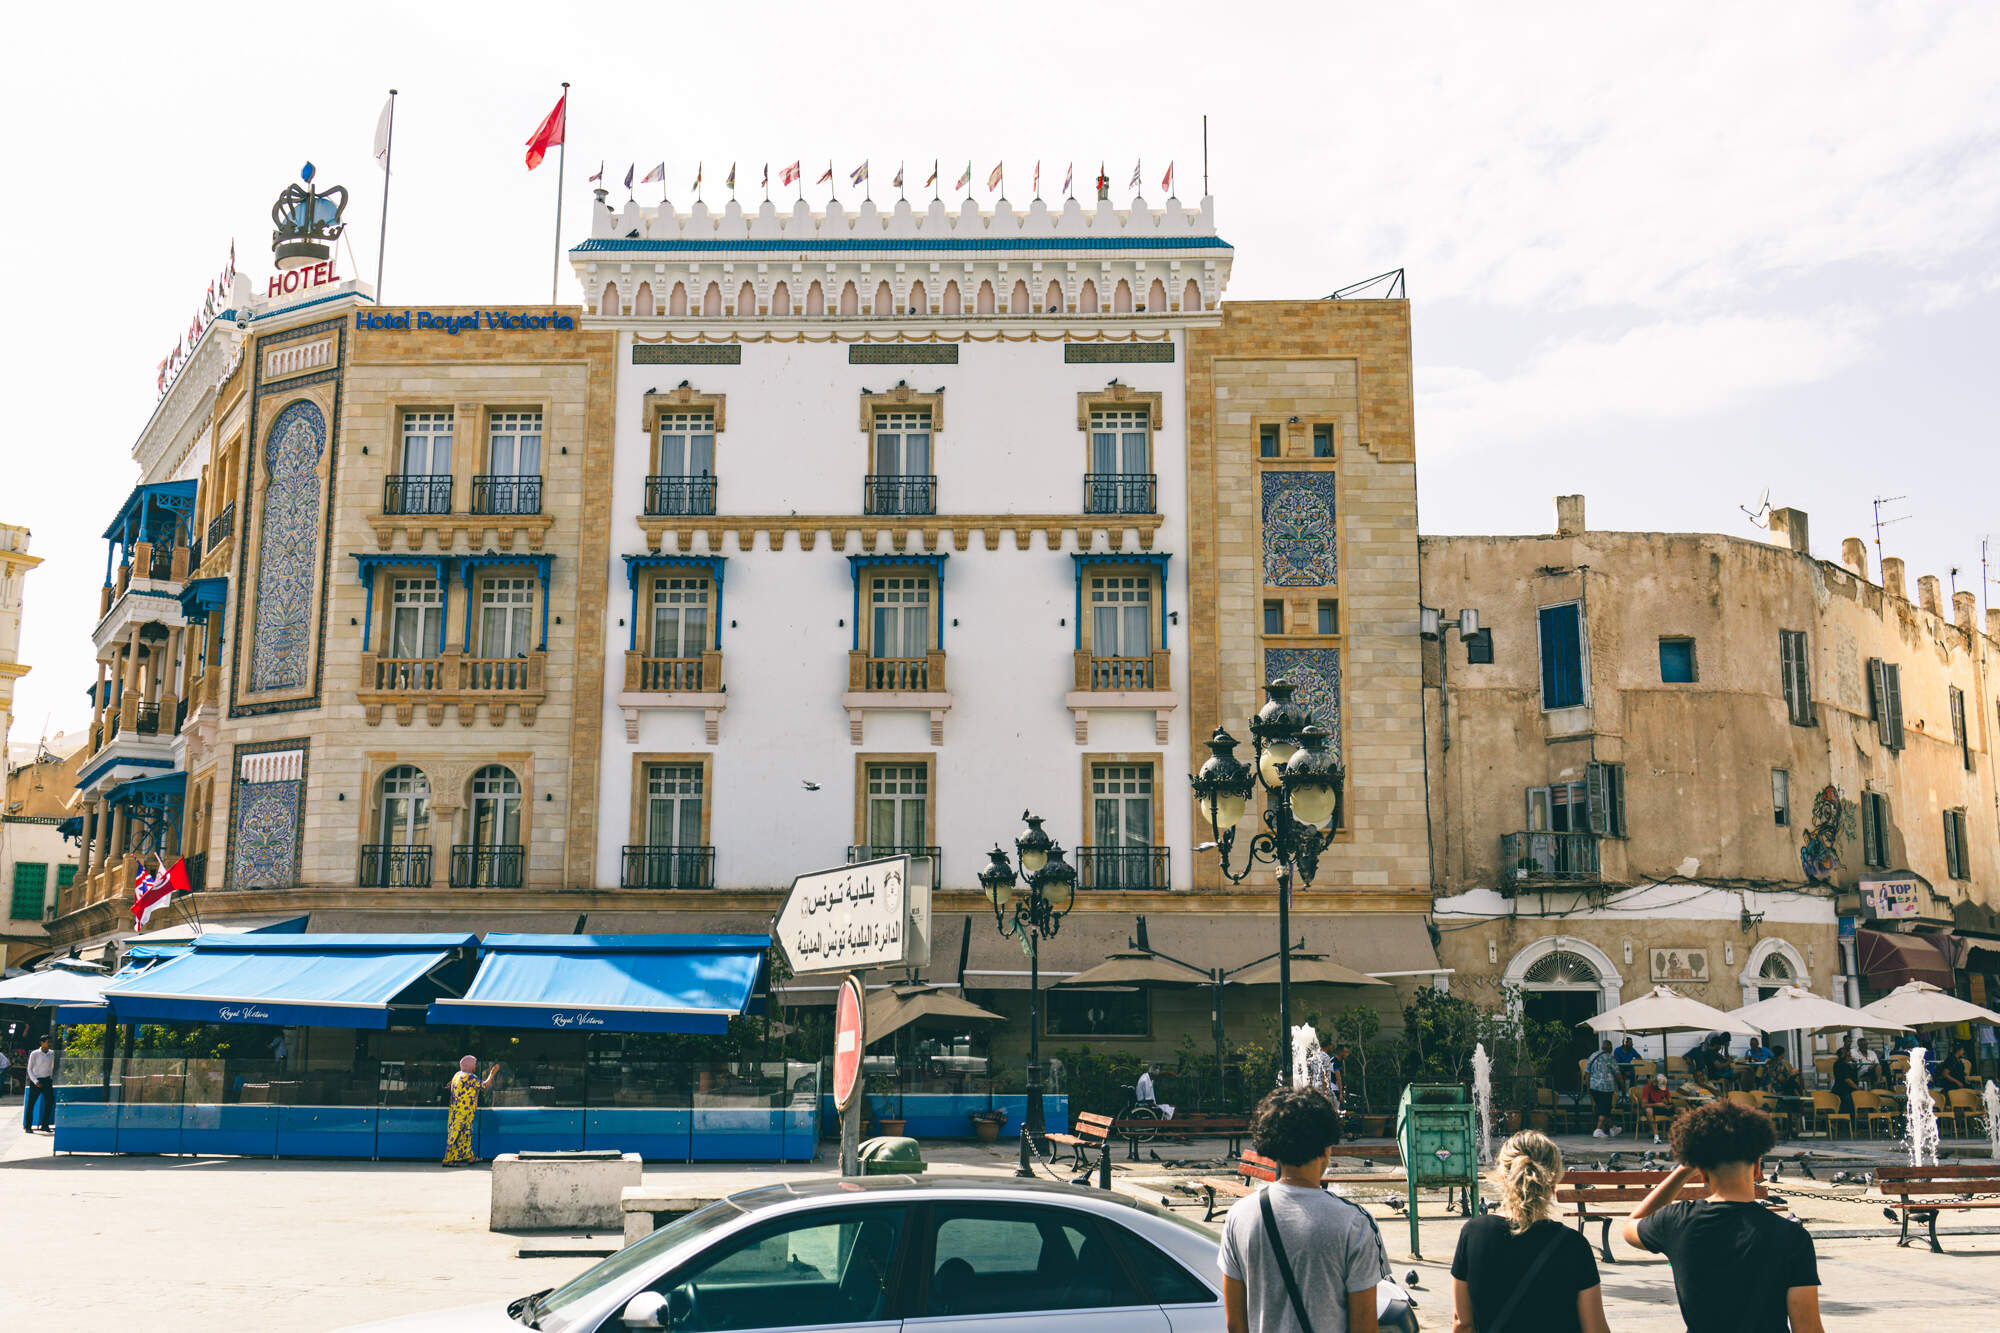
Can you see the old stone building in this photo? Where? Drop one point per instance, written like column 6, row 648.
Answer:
column 1703, row 760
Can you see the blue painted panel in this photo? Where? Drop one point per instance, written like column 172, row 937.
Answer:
column 326, row 1131
column 801, row 1131
column 410, row 1133
column 528, row 1129
column 656, row 1133
column 737, row 1134
column 242, row 1131
column 81, row 1092
column 942, row 1115
column 149, row 1127
column 1055, row 1111
column 86, row 1126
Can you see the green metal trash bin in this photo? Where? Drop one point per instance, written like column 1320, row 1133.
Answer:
column 1437, row 1135
column 892, row 1157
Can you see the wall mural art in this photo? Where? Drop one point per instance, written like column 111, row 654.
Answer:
column 268, row 810
column 1316, row 674
column 1831, row 817
column 1299, row 530
column 287, row 565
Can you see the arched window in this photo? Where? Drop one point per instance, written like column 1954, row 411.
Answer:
column 1191, row 296
column 1774, row 975
column 642, row 304
column 1053, row 303
column 1156, row 297
column 781, row 299
column 406, row 807
column 885, row 300
column 607, row 302
column 985, row 299
column 1560, row 968
column 850, row 300
column 1121, row 298
column 711, row 300
column 1018, row 301
column 493, row 854
column 952, row 304
column 920, row 301
column 746, row 299
column 815, row 299
column 1086, row 299
column 677, row 300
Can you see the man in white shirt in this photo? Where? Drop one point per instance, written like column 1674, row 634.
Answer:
column 41, row 1083
column 1142, row 1092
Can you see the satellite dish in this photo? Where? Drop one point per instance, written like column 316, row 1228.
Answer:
column 1761, row 515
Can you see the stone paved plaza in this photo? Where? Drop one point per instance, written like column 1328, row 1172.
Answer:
column 206, row 1243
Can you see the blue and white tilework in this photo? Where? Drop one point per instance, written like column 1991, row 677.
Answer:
column 287, row 562
column 1299, row 550
column 1316, row 673
column 265, row 841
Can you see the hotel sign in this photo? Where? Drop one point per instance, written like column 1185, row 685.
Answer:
column 1683, row 965
column 510, row 321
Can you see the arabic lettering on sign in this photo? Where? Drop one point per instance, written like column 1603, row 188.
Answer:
column 855, row 890
column 836, row 942
column 580, row 1020
column 247, row 1014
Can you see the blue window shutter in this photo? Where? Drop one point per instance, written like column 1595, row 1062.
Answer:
column 1562, row 657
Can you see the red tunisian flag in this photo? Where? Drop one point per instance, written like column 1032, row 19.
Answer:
column 152, row 892
column 549, row 135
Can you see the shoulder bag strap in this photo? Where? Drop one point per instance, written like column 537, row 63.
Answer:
column 1284, row 1262
column 1521, row 1288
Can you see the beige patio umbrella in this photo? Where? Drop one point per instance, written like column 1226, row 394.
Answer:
column 1308, row 969
column 1136, row 967
column 1664, row 1009
column 896, row 1007
column 1797, row 1010
column 1918, row 1004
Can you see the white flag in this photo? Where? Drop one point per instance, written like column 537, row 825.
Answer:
column 382, row 124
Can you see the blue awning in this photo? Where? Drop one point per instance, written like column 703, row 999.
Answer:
column 201, row 596
column 611, row 983
column 344, row 981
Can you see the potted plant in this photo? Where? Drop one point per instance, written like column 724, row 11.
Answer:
column 986, row 1125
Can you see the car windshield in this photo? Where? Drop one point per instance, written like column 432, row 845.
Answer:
column 568, row 1305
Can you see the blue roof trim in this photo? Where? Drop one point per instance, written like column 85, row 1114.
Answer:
column 200, row 596
column 503, row 942
column 90, row 775
column 173, row 492
column 634, row 563
column 612, row 983
column 317, row 300
column 908, row 244
column 258, row 942
column 173, row 784
column 857, row 563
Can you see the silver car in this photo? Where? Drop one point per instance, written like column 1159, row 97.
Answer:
column 889, row 1255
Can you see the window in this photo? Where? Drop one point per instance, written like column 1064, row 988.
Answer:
column 1781, row 797
column 1267, row 442
column 1677, row 661
column 1095, row 1013
column 1562, row 657
column 899, row 615
column 1121, row 852
column 799, row 1272
column 65, row 876
column 1328, row 616
column 1120, row 442
column 898, row 801
column 1958, row 734
column 1885, row 701
column 496, row 807
column 903, row 444
column 1957, row 865
column 1167, row 1282
column 680, row 617
column 416, row 618
column 1121, row 615
column 514, row 447
column 31, row 883
column 1479, row 648
column 427, row 444
column 1002, row 1259
column 673, row 805
column 686, row 444
column 1274, row 616
column 406, row 807
column 1323, row 440
column 1874, row 829
column 506, row 617
column 1595, row 805
column 1797, row 676
column 1605, row 790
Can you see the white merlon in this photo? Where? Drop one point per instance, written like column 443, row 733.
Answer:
column 902, row 221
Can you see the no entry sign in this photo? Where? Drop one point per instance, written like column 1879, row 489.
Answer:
column 848, row 1042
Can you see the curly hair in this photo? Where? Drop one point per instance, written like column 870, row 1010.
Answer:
column 1529, row 1164
column 1721, row 1133
column 1294, row 1125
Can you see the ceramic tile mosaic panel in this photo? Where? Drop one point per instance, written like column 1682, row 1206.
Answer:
column 281, row 644
column 1299, row 531
column 1316, row 673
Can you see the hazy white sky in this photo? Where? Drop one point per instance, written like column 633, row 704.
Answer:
column 1668, row 256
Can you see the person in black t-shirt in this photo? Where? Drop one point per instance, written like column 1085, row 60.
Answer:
column 1738, row 1266
column 1517, row 1270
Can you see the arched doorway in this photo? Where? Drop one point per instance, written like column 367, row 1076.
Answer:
column 1565, row 981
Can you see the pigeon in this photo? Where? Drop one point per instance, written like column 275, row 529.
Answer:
column 1410, row 1278
column 809, row 786
column 1153, row 1153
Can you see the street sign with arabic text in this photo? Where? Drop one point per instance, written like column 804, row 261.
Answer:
column 871, row 914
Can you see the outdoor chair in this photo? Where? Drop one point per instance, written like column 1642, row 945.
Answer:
column 1873, row 1109
column 1746, row 1100
column 1826, row 1113
column 1823, row 1064
column 1966, row 1109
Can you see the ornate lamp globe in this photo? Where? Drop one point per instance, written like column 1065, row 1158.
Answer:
column 1312, row 778
column 1032, row 845
column 1277, row 726
column 1222, row 787
column 1056, row 873
column 998, row 878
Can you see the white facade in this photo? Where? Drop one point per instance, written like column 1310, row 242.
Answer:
column 1010, row 731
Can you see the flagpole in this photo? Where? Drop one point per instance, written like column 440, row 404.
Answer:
column 388, row 159
column 562, row 160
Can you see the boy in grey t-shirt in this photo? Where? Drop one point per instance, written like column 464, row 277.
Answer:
column 1335, row 1255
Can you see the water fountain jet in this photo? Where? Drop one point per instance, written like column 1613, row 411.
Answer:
column 1921, row 1127
column 1482, row 1099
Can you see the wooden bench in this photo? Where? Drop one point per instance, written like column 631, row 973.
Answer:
column 1193, row 1125
column 1092, row 1131
column 1253, row 1171
column 1588, row 1189
column 1955, row 1182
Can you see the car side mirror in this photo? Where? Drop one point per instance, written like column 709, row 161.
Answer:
column 645, row 1310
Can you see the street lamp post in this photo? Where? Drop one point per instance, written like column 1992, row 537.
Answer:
column 1025, row 909
column 1304, row 787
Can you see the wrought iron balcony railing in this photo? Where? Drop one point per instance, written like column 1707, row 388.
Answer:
column 487, row 866
column 1120, row 493
column 1528, row 857
column 395, row 866
column 147, row 721
column 898, row 494
column 423, row 493
column 673, row 495
column 221, row 526
column 870, row 852
column 668, row 868
column 506, row 495
column 1122, row 867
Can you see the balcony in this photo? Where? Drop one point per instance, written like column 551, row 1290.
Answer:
column 876, row 853
column 905, row 684
column 452, row 680
column 1120, row 868
column 1120, row 493
column 146, row 720
column 416, row 494
column 1123, row 673
column 498, row 866
column 1535, row 858
column 221, row 528
column 506, row 495
column 1132, row 684
column 395, row 866
column 668, row 868
column 673, row 683
column 899, row 495
column 675, row 496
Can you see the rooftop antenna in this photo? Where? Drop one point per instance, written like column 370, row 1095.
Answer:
column 1761, row 515
column 1986, row 581
column 1952, row 574
column 1881, row 523
column 1204, row 156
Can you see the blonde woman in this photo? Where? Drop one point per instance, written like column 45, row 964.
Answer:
column 1518, row 1270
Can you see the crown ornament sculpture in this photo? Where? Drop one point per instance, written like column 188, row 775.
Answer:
column 306, row 221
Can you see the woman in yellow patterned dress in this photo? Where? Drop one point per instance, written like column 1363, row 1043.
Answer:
column 465, row 1088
